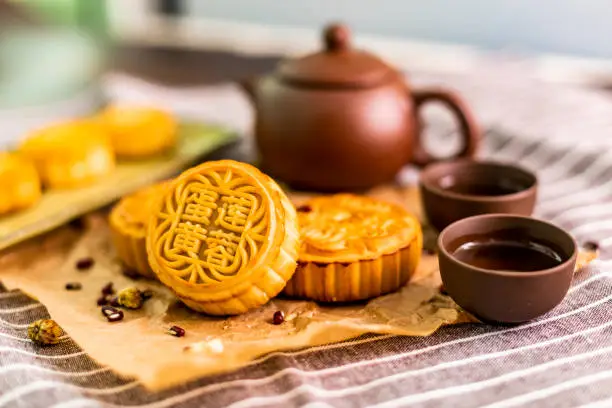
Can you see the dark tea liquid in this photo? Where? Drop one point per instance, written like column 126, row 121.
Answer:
column 508, row 255
column 484, row 189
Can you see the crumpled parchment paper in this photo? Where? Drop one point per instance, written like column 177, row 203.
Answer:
column 139, row 346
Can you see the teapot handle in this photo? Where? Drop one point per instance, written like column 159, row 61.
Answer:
column 469, row 129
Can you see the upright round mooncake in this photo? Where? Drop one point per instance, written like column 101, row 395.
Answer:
column 353, row 248
column 223, row 237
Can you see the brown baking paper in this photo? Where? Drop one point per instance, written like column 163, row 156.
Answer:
column 139, row 347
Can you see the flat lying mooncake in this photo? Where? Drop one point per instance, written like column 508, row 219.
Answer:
column 19, row 183
column 138, row 131
column 70, row 154
column 354, row 247
column 223, row 237
column 128, row 221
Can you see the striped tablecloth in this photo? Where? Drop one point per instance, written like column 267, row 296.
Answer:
column 563, row 359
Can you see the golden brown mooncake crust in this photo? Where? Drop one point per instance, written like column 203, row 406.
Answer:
column 19, row 183
column 353, row 248
column 224, row 238
column 139, row 131
column 128, row 221
column 70, row 154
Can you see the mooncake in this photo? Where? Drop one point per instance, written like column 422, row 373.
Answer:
column 354, row 247
column 128, row 221
column 223, row 237
column 138, row 131
column 70, row 154
column 19, row 183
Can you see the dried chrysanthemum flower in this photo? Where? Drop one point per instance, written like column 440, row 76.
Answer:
column 130, row 298
column 45, row 331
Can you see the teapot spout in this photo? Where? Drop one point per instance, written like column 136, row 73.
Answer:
column 249, row 87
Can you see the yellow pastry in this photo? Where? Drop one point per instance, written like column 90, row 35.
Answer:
column 224, row 238
column 19, row 183
column 128, row 222
column 139, row 131
column 70, row 154
column 354, row 247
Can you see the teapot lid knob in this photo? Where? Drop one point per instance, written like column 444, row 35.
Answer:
column 338, row 65
column 337, row 37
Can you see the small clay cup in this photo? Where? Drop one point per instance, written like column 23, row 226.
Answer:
column 506, row 296
column 457, row 189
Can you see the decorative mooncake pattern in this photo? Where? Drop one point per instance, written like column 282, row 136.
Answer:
column 223, row 228
column 353, row 248
column 215, row 227
column 347, row 227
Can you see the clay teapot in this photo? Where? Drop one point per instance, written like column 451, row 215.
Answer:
column 342, row 119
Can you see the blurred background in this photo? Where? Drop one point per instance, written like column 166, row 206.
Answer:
column 563, row 26
column 63, row 58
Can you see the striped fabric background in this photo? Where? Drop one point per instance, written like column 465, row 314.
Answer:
column 563, row 359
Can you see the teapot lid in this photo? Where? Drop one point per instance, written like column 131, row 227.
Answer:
column 338, row 65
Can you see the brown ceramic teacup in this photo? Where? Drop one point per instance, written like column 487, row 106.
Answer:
column 457, row 189
column 506, row 268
